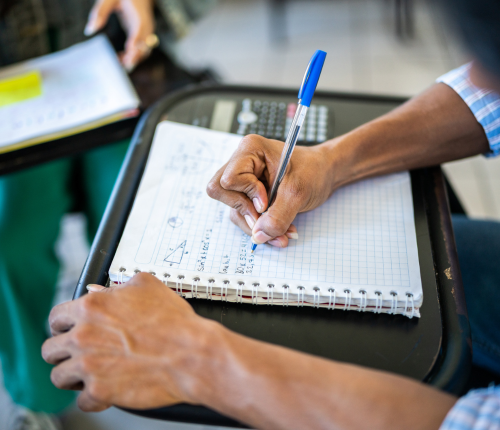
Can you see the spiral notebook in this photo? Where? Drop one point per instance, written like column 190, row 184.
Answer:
column 357, row 251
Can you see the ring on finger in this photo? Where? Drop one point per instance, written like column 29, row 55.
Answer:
column 151, row 41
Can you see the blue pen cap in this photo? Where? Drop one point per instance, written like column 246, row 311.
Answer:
column 311, row 78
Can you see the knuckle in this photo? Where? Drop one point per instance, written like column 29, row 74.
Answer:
column 53, row 315
column 143, row 277
column 45, row 351
column 55, row 377
column 250, row 140
column 247, row 141
column 213, row 188
column 238, row 205
column 90, row 304
column 227, row 181
column 96, row 391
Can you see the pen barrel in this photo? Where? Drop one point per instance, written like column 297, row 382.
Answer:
column 286, row 154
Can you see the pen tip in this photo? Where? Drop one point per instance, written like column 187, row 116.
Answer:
column 252, row 251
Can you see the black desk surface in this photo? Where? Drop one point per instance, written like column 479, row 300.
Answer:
column 434, row 349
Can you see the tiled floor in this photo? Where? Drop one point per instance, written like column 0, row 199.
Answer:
column 237, row 40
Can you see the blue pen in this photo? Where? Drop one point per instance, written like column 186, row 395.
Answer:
column 306, row 92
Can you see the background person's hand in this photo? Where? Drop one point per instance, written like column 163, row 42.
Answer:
column 130, row 346
column 137, row 18
column 244, row 181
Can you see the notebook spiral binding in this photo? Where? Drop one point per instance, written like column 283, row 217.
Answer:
column 333, row 303
column 270, row 294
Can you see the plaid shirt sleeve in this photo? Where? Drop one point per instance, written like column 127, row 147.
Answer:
column 484, row 104
column 479, row 409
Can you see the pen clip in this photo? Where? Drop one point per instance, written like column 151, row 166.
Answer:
column 313, row 71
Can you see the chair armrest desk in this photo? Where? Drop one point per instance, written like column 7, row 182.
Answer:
column 435, row 349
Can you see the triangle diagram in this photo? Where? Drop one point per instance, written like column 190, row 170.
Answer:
column 176, row 255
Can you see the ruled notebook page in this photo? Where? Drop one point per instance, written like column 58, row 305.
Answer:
column 362, row 238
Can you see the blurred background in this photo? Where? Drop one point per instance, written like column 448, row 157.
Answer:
column 390, row 47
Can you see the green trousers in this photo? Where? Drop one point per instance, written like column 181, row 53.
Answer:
column 32, row 203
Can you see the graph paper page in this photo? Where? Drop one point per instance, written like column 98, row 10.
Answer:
column 363, row 236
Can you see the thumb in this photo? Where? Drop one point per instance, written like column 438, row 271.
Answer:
column 95, row 288
column 99, row 16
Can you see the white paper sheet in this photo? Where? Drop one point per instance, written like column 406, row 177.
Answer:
column 362, row 238
column 80, row 85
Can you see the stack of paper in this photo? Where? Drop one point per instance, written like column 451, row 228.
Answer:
column 64, row 93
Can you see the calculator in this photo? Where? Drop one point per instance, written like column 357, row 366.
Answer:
column 266, row 116
column 273, row 119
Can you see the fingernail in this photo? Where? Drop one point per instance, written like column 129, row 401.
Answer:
column 260, row 237
column 249, row 221
column 89, row 29
column 292, row 235
column 276, row 242
column 94, row 288
column 259, row 207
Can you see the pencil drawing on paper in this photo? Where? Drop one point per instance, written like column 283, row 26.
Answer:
column 175, row 221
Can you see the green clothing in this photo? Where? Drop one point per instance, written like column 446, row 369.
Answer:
column 32, row 203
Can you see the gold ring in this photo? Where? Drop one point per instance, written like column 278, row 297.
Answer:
column 152, row 41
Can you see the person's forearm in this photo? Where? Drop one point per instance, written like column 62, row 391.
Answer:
column 270, row 387
column 432, row 128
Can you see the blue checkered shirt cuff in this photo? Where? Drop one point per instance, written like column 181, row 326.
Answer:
column 484, row 104
column 478, row 410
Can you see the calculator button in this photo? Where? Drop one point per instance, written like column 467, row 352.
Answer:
column 247, row 117
column 321, row 137
column 322, row 122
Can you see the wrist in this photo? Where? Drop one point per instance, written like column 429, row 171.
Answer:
column 338, row 155
column 201, row 376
